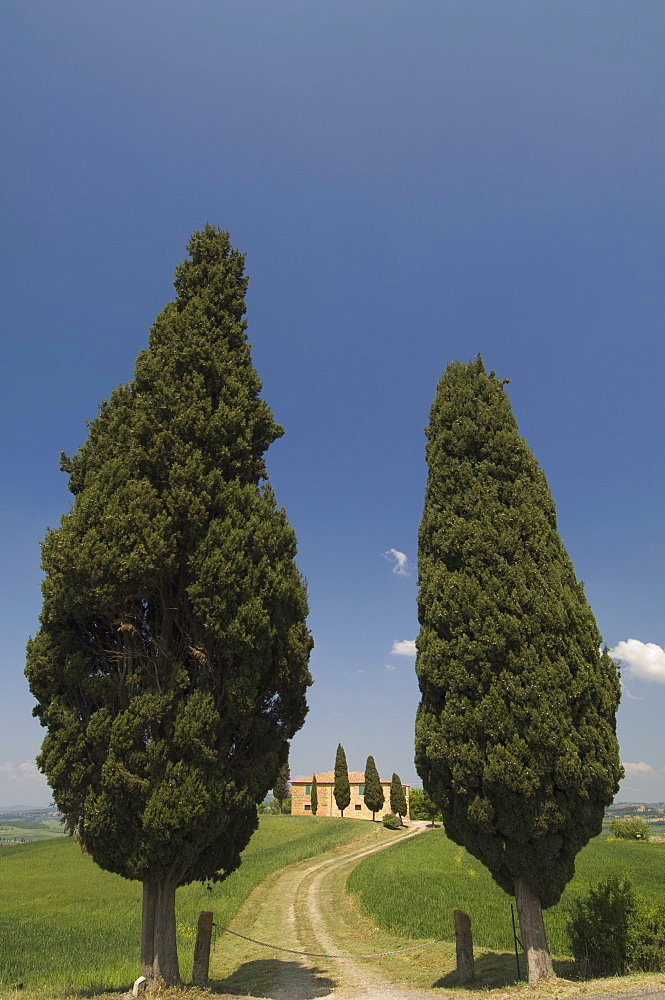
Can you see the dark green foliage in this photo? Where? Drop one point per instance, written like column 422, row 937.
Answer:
column 598, row 927
column 515, row 732
column 631, row 828
column 613, row 932
column 373, row 797
column 397, row 796
column 314, row 797
column 646, row 939
column 281, row 787
column 170, row 668
column 391, row 821
column 342, row 788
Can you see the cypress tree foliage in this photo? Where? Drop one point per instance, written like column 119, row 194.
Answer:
column 281, row 787
column 314, row 797
column 170, row 668
column 341, row 788
column 397, row 797
column 515, row 732
column 373, row 797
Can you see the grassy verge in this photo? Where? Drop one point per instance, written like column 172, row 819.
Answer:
column 413, row 888
column 66, row 924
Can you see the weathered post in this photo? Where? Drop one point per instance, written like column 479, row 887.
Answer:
column 464, row 946
column 202, row 949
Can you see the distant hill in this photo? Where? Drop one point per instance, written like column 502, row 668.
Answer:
column 16, row 809
column 626, row 805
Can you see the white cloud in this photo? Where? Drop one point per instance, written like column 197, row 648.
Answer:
column 639, row 769
column 401, row 567
column 30, row 772
column 645, row 660
column 404, row 647
column 643, row 783
column 629, row 694
column 390, row 666
column 27, row 771
column 360, row 671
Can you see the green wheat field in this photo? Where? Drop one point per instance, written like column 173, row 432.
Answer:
column 414, row 887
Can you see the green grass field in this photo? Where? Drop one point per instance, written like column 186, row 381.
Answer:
column 30, row 830
column 414, row 887
column 65, row 923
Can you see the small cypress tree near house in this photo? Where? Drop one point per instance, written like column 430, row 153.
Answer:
column 314, row 797
column 397, row 797
column 431, row 808
column 373, row 797
column 281, row 787
column 342, row 788
column 515, row 732
column 170, row 667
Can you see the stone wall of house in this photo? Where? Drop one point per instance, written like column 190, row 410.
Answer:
column 356, row 809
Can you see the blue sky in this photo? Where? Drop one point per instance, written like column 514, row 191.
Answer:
column 413, row 183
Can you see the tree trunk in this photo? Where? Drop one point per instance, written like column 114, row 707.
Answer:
column 159, row 951
column 532, row 929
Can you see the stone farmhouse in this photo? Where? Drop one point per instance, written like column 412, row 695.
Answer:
column 301, row 795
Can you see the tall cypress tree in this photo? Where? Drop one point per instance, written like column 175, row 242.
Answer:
column 170, row 668
column 341, row 788
column 314, row 797
column 397, row 797
column 515, row 732
column 373, row 797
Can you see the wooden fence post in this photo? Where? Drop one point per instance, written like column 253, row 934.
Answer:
column 202, row 949
column 464, row 946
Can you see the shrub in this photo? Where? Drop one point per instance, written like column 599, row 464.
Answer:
column 630, row 829
column 612, row 932
column 598, row 927
column 422, row 807
column 391, row 821
column 646, row 940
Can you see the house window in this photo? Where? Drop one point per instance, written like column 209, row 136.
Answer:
column 308, row 789
column 361, row 789
column 307, row 806
column 356, row 807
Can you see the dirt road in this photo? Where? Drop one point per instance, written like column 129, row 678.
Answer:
column 300, row 908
